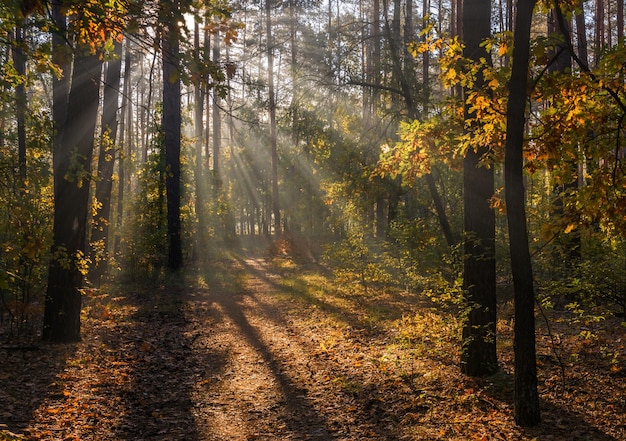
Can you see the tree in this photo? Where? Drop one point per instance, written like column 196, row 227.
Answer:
column 171, row 126
column 217, row 123
column 478, row 355
column 73, row 151
column 272, row 115
column 19, row 61
column 199, row 95
column 526, row 395
column 106, row 161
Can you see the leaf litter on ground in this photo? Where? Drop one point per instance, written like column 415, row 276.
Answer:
column 251, row 349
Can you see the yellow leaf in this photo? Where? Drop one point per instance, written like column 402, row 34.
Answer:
column 502, row 50
column 570, row 227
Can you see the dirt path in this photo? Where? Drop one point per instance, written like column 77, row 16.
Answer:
column 275, row 382
column 255, row 393
column 223, row 361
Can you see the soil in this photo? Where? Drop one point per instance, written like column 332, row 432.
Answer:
column 233, row 354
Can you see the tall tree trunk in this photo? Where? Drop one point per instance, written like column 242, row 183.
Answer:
column 620, row 21
column 272, row 115
column 570, row 243
column 426, row 61
column 413, row 113
column 581, row 35
column 106, row 161
column 478, row 355
column 72, row 168
column 171, row 127
column 526, row 396
column 19, row 61
column 124, row 144
column 599, row 31
column 201, row 196
column 440, row 210
column 217, row 124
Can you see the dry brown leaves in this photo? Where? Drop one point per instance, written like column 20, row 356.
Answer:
column 243, row 355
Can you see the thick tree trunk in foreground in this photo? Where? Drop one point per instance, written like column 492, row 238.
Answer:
column 526, row 396
column 72, row 174
column 172, row 132
column 478, row 355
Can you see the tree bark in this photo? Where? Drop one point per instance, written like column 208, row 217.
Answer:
column 19, row 61
column 171, row 126
column 106, row 162
column 599, row 31
column 217, row 125
column 478, row 355
column 124, row 141
column 526, row 396
column 620, row 21
column 201, row 196
column 72, row 168
column 272, row 115
column 581, row 35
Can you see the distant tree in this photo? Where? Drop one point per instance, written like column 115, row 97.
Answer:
column 478, row 354
column 19, row 61
column 106, row 161
column 217, row 122
column 199, row 96
column 272, row 114
column 125, row 142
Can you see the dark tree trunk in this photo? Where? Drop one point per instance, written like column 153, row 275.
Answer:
column 570, row 244
column 272, row 114
column 441, row 212
column 620, row 21
column 217, row 124
column 124, row 116
column 526, row 396
column 106, row 161
column 19, row 61
column 201, row 196
column 478, row 355
column 599, row 31
column 171, row 126
column 413, row 113
column 72, row 167
column 426, row 62
column 581, row 35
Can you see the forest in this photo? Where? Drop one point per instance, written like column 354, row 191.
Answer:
column 312, row 220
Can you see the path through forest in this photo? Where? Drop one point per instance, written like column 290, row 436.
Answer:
column 220, row 360
column 245, row 350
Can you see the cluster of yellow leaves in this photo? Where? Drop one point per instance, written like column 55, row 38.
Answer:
column 576, row 123
column 420, row 145
column 98, row 24
column 476, row 119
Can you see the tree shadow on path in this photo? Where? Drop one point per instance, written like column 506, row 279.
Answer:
column 158, row 402
column 28, row 375
column 363, row 417
column 292, row 410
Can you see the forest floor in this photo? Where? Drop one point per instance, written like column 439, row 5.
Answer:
column 255, row 349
